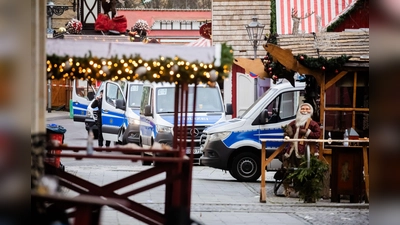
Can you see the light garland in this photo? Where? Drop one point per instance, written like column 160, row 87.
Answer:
column 162, row 69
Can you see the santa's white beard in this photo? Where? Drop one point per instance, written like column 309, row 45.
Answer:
column 301, row 119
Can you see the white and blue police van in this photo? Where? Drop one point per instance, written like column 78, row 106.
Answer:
column 157, row 114
column 120, row 113
column 234, row 145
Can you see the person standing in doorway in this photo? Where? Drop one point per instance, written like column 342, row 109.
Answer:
column 98, row 103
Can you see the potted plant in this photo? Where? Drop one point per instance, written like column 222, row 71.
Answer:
column 308, row 181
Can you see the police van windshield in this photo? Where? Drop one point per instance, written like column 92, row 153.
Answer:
column 208, row 99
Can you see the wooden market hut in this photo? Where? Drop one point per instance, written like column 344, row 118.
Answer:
column 344, row 93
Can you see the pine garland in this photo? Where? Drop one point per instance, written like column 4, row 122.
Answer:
column 273, row 29
column 277, row 71
column 134, row 68
column 323, row 63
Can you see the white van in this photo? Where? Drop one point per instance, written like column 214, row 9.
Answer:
column 234, row 145
column 120, row 116
column 157, row 113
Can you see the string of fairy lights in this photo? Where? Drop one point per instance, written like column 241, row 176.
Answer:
column 172, row 70
column 161, row 69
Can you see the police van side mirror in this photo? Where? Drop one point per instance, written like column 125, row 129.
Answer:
column 120, row 104
column 263, row 117
column 147, row 111
column 229, row 110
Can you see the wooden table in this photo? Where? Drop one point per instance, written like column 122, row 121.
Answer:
column 265, row 161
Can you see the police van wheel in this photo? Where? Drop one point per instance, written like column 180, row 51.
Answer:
column 246, row 167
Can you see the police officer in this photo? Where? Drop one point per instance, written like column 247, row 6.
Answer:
column 98, row 103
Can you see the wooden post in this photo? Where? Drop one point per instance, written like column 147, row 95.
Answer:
column 353, row 117
column 263, row 193
column 325, row 192
column 264, row 164
column 366, row 170
column 322, row 102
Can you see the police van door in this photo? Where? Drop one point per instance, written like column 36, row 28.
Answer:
column 112, row 118
column 83, row 93
column 281, row 111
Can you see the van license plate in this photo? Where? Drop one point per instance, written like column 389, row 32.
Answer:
column 195, row 151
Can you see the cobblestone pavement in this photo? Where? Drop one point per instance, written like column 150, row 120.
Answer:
column 219, row 199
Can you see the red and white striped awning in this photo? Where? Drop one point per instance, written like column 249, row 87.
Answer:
column 201, row 42
column 327, row 10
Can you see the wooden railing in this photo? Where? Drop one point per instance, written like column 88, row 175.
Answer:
column 171, row 162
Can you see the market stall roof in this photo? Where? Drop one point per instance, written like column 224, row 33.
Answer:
column 354, row 43
column 201, row 42
column 350, row 45
column 81, row 48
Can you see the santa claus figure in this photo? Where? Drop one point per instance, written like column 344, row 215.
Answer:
column 303, row 127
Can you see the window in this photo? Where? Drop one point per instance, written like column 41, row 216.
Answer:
column 166, row 25
column 289, row 104
column 145, row 99
column 113, row 93
column 186, row 26
column 165, row 99
column 284, row 107
column 176, row 25
column 135, row 95
column 84, row 89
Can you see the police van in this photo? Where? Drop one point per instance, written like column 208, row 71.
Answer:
column 234, row 145
column 157, row 114
column 120, row 113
